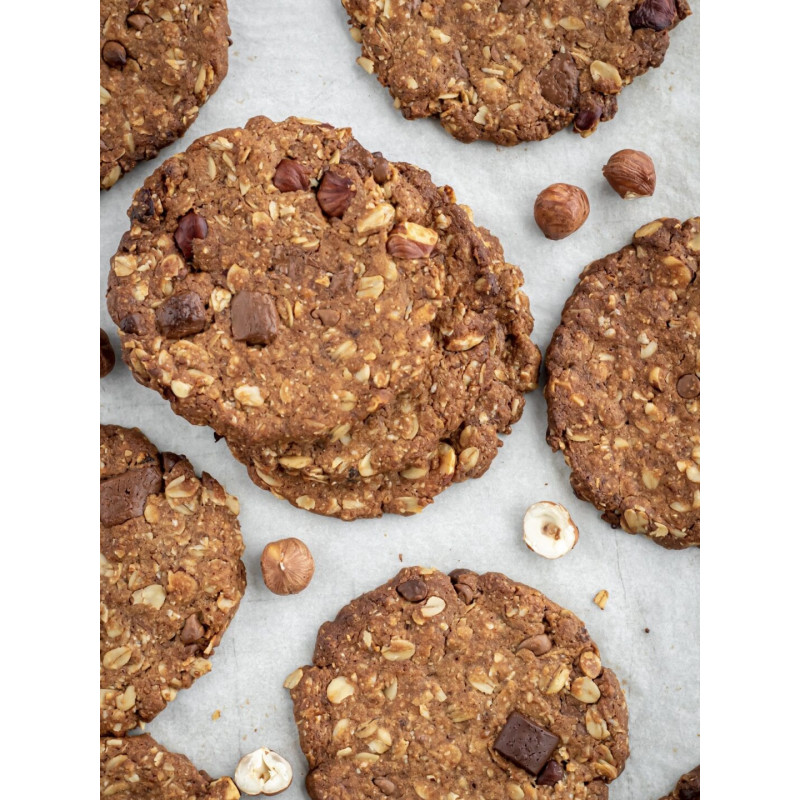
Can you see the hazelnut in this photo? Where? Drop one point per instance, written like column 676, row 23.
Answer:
column 560, row 210
column 548, row 530
column 290, row 176
column 287, row 566
column 335, row 194
column 631, row 173
column 107, row 357
column 263, row 772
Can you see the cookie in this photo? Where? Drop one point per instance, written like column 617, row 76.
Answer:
column 139, row 768
column 160, row 60
column 511, row 71
column 170, row 576
column 623, row 388
column 470, row 685
column 330, row 313
column 687, row 788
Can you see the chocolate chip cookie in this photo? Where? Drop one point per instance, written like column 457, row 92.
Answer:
column 160, row 60
column 139, row 768
column 511, row 70
column 470, row 685
column 623, row 389
column 335, row 316
column 687, row 788
column 170, row 576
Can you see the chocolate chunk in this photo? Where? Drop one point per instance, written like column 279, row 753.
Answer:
column 525, row 744
column 143, row 207
column 327, row 316
column 552, row 773
column 138, row 21
column 114, row 54
column 559, row 81
column 182, row 315
column 415, row 591
column 538, row 645
column 654, row 14
column 107, row 357
column 191, row 226
column 133, row 323
column 464, row 592
column 254, row 318
column 513, row 6
column 124, row 496
column 169, row 460
column 192, row 631
column 357, row 156
column 688, row 386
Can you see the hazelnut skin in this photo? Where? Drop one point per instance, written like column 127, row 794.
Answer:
column 560, row 210
column 287, row 566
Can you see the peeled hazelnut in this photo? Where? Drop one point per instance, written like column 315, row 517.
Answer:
column 631, row 173
column 335, row 194
column 287, row 566
column 263, row 772
column 548, row 530
column 560, row 210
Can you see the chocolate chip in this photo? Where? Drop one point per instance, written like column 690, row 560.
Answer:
column 327, row 316
column 254, row 318
column 538, row 645
column 587, row 119
column 335, row 193
column 525, row 744
column 382, row 171
column 138, row 21
column 465, row 594
column 688, row 386
column 107, row 357
column 385, row 786
column 114, row 54
column 132, row 324
column 654, row 14
column 552, row 773
column 190, row 227
column 192, row 631
column 169, row 460
column 124, row 496
column 143, row 207
column 357, row 156
column 290, row 176
column 181, row 315
column 415, row 590
column 558, row 81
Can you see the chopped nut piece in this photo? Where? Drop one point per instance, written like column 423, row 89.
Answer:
column 263, row 772
column 601, row 598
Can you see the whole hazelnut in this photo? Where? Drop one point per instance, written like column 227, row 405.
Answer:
column 560, row 210
column 631, row 173
column 287, row 566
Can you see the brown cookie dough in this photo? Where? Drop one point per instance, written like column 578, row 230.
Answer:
column 623, row 389
column 687, row 788
column 419, row 687
column 511, row 70
column 170, row 576
column 138, row 768
column 160, row 60
column 328, row 312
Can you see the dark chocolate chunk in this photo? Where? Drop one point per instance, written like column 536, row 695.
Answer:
column 169, row 460
column 143, row 206
column 181, row 315
column 654, row 14
column 191, row 226
column 107, row 357
column 133, row 323
column 525, row 744
column 124, row 496
column 538, row 645
column 415, row 591
column 552, row 773
column 192, row 631
column 558, row 81
column 114, row 54
column 688, row 386
column 254, row 318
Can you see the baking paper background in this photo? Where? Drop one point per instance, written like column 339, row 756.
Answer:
column 296, row 57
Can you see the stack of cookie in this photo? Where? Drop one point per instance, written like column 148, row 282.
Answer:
column 339, row 319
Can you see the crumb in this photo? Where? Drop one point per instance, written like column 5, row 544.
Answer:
column 601, row 598
column 216, row 715
column 400, row 556
column 647, row 630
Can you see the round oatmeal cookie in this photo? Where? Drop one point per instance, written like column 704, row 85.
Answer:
column 436, row 686
column 511, row 70
column 623, row 389
column 312, row 301
column 160, row 60
column 139, row 768
column 170, row 576
column 687, row 788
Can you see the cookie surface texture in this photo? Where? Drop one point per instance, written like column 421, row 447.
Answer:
column 687, row 788
column 511, row 70
column 139, row 768
column 170, row 576
column 436, row 686
column 160, row 60
column 338, row 318
column 623, row 388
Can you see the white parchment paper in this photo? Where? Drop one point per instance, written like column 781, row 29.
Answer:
column 296, row 57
